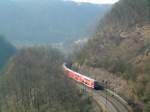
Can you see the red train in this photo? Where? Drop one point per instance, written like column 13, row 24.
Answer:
column 89, row 82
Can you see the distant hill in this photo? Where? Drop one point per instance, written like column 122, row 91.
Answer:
column 6, row 51
column 47, row 21
column 121, row 45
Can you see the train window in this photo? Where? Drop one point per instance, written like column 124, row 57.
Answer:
column 76, row 77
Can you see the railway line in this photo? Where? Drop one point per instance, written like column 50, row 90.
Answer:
column 116, row 103
column 107, row 100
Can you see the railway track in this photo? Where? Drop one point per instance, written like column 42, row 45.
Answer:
column 108, row 100
column 113, row 104
column 108, row 105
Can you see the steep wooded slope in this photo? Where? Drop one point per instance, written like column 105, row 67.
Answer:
column 35, row 82
column 121, row 45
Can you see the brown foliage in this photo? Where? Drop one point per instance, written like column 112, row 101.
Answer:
column 35, row 82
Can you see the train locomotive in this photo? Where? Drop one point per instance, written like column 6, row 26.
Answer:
column 89, row 82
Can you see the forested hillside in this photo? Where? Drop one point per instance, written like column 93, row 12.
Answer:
column 121, row 45
column 47, row 21
column 6, row 51
column 34, row 81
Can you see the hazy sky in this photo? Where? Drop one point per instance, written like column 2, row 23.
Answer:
column 98, row 1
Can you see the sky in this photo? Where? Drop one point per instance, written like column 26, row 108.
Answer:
column 97, row 1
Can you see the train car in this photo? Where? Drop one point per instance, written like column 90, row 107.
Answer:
column 89, row 82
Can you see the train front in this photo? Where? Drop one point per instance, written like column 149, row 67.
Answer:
column 98, row 86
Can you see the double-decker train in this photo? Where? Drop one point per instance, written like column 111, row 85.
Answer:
column 89, row 82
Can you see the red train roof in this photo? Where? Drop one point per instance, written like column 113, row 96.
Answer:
column 64, row 66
